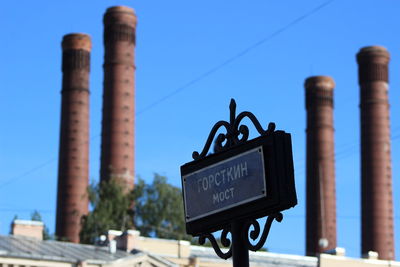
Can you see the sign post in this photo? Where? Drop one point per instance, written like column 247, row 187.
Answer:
column 242, row 181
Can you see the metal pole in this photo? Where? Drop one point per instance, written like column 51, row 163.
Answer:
column 240, row 253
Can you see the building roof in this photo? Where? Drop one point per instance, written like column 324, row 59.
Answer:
column 266, row 259
column 28, row 222
column 24, row 247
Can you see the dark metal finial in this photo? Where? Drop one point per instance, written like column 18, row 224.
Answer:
column 232, row 108
column 236, row 134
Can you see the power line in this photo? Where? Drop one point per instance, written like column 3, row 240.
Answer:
column 197, row 79
column 351, row 217
column 16, row 178
column 346, row 151
column 4, row 210
column 38, row 167
column 237, row 56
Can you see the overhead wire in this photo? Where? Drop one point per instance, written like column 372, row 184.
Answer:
column 36, row 168
column 235, row 57
column 4, row 210
column 345, row 150
column 199, row 78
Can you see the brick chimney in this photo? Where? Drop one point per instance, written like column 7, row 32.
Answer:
column 73, row 172
column 321, row 192
column 127, row 240
column 33, row 229
column 377, row 232
column 117, row 144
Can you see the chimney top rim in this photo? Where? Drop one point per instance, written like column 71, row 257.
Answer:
column 121, row 9
column 373, row 48
column 320, row 77
column 319, row 80
column 114, row 232
column 76, row 34
column 77, row 41
column 373, row 51
column 133, row 232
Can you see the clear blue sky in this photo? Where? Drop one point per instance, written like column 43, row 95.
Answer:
column 178, row 42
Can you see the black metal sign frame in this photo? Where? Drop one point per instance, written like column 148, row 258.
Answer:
column 238, row 218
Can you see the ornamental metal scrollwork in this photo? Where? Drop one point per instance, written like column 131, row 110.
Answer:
column 255, row 233
column 225, row 241
column 236, row 133
column 245, row 231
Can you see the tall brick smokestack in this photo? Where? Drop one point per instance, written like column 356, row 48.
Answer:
column 73, row 171
column 117, row 144
column 321, row 192
column 376, row 170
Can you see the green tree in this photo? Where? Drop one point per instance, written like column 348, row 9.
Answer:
column 159, row 209
column 11, row 225
column 157, row 212
column 111, row 209
column 36, row 216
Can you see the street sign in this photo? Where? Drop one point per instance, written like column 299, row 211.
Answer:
column 226, row 184
column 242, row 181
column 251, row 180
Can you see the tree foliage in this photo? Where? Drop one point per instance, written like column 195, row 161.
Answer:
column 36, row 216
column 111, row 209
column 155, row 209
column 159, row 209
